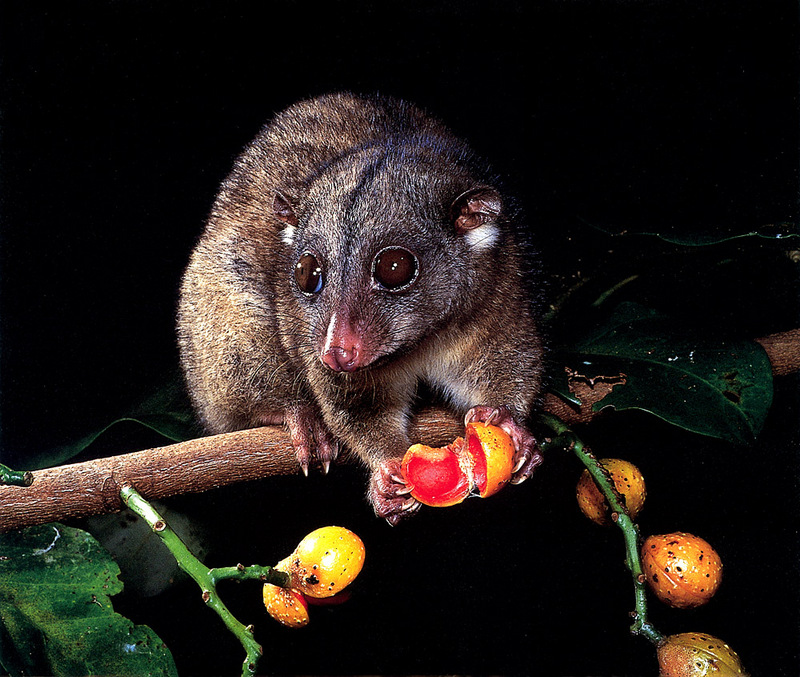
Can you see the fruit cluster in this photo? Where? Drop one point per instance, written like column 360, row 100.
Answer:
column 681, row 569
column 322, row 565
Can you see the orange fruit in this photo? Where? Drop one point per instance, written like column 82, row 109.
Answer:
column 628, row 481
column 286, row 605
column 683, row 570
column 696, row 654
column 492, row 451
column 323, row 564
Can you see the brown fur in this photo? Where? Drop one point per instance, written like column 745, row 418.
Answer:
column 345, row 176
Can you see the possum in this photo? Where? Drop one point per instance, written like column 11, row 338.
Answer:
column 357, row 252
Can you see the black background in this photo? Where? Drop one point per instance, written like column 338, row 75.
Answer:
column 119, row 119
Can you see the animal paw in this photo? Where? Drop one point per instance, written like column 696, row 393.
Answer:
column 527, row 456
column 389, row 493
column 310, row 437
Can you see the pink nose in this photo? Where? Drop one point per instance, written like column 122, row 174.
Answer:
column 341, row 359
column 344, row 348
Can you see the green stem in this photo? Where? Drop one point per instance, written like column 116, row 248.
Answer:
column 566, row 439
column 253, row 572
column 208, row 578
column 17, row 478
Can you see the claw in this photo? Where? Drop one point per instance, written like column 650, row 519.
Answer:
column 389, row 492
column 497, row 414
column 410, row 505
column 310, row 436
column 493, row 416
column 518, row 465
column 532, row 461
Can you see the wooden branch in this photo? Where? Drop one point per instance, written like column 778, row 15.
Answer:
column 783, row 350
column 92, row 487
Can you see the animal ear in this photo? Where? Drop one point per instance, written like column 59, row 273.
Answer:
column 475, row 207
column 283, row 210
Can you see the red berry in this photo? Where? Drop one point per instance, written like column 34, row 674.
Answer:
column 436, row 475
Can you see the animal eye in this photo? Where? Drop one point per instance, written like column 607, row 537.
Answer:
column 395, row 268
column 308, row 274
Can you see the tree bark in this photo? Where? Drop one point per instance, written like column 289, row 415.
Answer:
column 92, row 487
column 783, row 350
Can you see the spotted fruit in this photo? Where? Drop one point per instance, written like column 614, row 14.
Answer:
column 325, row 562
column 286, row 605
column 628, row 481
column 696, row 654
column 492, row 452
column 683, row 570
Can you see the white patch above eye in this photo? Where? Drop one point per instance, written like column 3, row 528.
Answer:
column 482, row 237
column 288, row 235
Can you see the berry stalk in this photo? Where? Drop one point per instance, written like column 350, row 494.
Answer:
column 207, row 578
column 566, row 439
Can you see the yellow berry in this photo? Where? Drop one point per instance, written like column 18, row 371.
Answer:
column 325, row 562
column 628, row 481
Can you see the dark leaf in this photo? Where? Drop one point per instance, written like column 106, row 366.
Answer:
column 56, row 615
column 720, row 389
column 167, row 412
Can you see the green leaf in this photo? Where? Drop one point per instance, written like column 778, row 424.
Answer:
column 721, row 390
column 699, row 236
column 55, row 613
column 167, row 412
